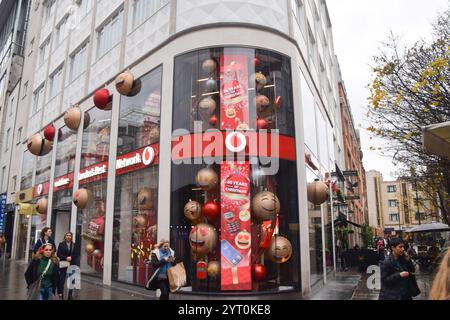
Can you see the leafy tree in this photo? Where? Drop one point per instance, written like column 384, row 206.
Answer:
column 411, row 90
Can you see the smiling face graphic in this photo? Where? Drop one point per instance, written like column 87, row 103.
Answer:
column 265, row 205
column 280, row 249
column 192, row 210
column 243, row 240
column 206, row 179
column 203, row 239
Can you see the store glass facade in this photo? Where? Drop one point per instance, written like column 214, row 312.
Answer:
column 234, row 223
column 136, row 192
column 93, row 177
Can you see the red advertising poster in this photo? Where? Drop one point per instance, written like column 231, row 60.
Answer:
column 234, row 112
column 235, row 227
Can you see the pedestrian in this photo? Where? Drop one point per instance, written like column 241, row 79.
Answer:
column 397, row 274
column 380, row 248
column 46, row 237
column 162, row 258
column 68, row 255
column 441, row 284
column 45, row 264
column 2, row 244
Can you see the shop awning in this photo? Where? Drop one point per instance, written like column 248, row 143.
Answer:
column 436, row 139
column 27, row 209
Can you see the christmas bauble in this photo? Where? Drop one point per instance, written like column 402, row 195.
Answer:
column 102, row 99
column 87, row 120
column 213, row 121
column 48, row 146
column 49, row 132
column 41, row 205
column 262, row 101
column 317, row 192
column 259, row 272
column 192, row 211
column 72, row 117
column 207, row 106
column 203, row 239
column 209, row 65
column 211, row 210
column 145, row 198
column 256, row 61
column 206, row 179
column 213, row 269
column 140, row 221
column 211, row 85
column 124, row 83
column 34, row 144
column 90, row 248
column 82, row 198
column 280, row 249
column 262, row 124
column 265, row 205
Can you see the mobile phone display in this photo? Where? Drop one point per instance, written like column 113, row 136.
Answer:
column 230, row 253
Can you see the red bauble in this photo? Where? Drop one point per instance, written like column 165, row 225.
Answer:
column 256, row 61
column 49, row 132
column 259, row 272
column 101, row 98
column 213, row 121
column 211, row 210
column 262, row 124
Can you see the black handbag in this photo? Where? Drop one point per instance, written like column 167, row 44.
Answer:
column 413, row 287
column 152, row 283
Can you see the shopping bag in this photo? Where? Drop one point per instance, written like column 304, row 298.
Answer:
column 177, row 277
column 33, row 290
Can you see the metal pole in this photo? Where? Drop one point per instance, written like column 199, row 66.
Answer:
column 417, row 201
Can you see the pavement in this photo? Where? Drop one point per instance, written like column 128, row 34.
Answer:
column 348, row 285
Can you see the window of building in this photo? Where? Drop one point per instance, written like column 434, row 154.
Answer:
column 25, row 89
column 391, row 189
column 394, row 217
column 55, row 83
column 78, row 62
column 62, row 30
column 50, row 7
column 31, row 47
column 44, row 51
column 8, row 136
column 419, row 216
column 143, row 9
column 84, row 6
column 38, row 99
column 27, row 170
column 309, row 116
column 3, row 178
column 13, row 184
column 11, row 107
column 299, row 9
column 393, row 203
column 110, row 34
column 312, row 46
column 19, row 135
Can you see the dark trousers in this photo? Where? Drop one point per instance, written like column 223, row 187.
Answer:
column 62, row 280
column 163, row 285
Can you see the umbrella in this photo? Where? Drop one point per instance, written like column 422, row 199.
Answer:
column 434, row 226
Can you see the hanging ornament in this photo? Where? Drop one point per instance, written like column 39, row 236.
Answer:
column 125, row 84
column 262, row 124
column 192, row 211
column 41, row 205
column 203, row 239
column 280, row 249
column 72, row 117
column 206, row 107
column 213, row 121
column 259, row 80
column 145, row 199
column 256, row 61
column 82, row 198
column 87, row 120
column 210, row 85
column 259, row 272
column 262, row 102
column 265, row 205
column 206, row 179
column 102, row 99
column 49, row 132
column 211, row 210
column 209, row 66
column 89, row 248
column 140, row 221
column 317, row 192
column 38, row 145
column 201, row 270
column 213, row 269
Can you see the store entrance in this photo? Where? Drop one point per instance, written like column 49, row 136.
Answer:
column 60, row 223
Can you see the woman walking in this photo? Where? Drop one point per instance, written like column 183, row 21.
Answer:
column 46, row 237
column 162, row 258
column 68, row 255
column 44, row 268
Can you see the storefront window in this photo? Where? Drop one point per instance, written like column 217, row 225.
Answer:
column 27, row 171
column 92, row 176
column 219, row 226
column 41, row 190
column 136, row 194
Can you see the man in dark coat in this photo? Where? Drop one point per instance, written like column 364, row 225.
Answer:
column 397, row 274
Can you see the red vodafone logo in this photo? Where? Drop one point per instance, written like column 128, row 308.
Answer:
column 148, row 155
column 235, row 142
column 40, row 188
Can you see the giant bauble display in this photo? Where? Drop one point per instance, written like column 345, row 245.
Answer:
column 49, row 132
column 211, row 210
column 89, row 248
column 87, row 120
column 124, row 83
column 72, row 118
column 209, row 65
column 192, row 211
column 265, row 205
column 213, row 269
column 145, row 199
column 207, row 106
column 38, row 145
column 259, row 272
column 102, row 99
column 262, row 102
column 206, row 179
column 203, row 239
column 280, row 250
column 82, row 198
column 317, row 192
column 41, row 205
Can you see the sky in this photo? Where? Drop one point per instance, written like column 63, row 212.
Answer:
column 359, row 28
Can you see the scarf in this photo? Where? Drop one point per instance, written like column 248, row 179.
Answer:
column 166, row 265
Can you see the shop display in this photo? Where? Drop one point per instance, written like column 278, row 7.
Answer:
column 265, row 205
column 206, row 179
column 207, row 106
column 211, row 210
column 213, row 269
column 87, row 120
column 210, row 85
column 213, row 121
column 280, row 250
column 192, row 211
column 317, row 192
column 259, row 80
column 89, row 248
column 82, row 198
column 145, row 198
column 49, row 132
column 259, row 272
column 103, row 99
column 203, row 239
column 209, row 66
column 39, row 146
column 124, row 83
column 262, row 124
column 41, row 205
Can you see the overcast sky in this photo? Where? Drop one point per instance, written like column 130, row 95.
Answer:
column 359, row 27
